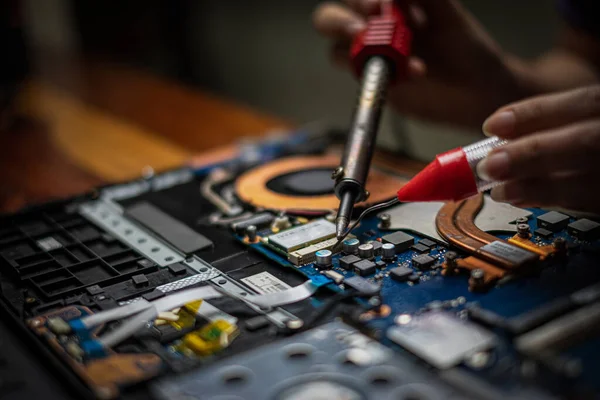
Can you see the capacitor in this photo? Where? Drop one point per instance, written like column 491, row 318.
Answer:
column 323, row 258
column 388, row 251
column 351, row 246
column 251, row 233
column 365, row 251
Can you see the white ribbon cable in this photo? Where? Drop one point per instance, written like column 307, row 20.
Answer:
column 288, row 296
column 137, row 322
column 179, row 299
column 115, row 313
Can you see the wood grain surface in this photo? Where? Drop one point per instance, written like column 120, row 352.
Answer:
column 83, row 124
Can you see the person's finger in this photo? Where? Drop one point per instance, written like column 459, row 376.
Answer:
column 573, row 192
column 544, row 112
column 416, row 68
column 570, row 148
column 337, row 21
column 365, row 7
column 340, row 53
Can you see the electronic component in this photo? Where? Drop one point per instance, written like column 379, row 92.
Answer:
column 419, row 248
column 58, row 326
column 376, row 247
column 363, row 286
column 400, row 273
column 256, row 323
column 553, row 221
column 584, row 229
column 280, row 223
column 388, row 251
column 210, row 339
column 347, row 262
column 427, row 242
column 303, row 235
column 260, row 221
column 544, row 233
column 323, row 258
column 365, row 250
column 365, row 267
column 423, row 261
column 351, row 245
column 380, row 264
column 335, row 276
column 402, row 241
column 440, row 338
column 512, row 254
column 307, row 255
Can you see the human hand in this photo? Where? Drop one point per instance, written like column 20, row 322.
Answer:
column 458, row 74
column 553, row 154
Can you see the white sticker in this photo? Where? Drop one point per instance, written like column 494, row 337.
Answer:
column 265, row 283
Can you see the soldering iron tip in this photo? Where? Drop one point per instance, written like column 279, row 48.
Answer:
column 341, row 224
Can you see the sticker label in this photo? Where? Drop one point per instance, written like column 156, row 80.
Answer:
column 265, row 283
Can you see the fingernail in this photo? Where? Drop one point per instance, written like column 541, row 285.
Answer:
column 496, row 166
column 355, row 27
column 501, row 124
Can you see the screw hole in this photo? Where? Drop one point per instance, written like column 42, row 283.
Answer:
column 142, row 240
column 168, row 259
column 154, row 249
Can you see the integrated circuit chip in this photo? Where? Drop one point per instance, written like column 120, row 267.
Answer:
column 303, row 235
column 553, row 221
column 584, row 229
column 348, row 261
column 513, row 254
column 401, row 240
column 365, row 267
column 423, row 261
column 427, row 242
column 545, row 233
column 440, row 338
column 419, row 248
column 400, row 274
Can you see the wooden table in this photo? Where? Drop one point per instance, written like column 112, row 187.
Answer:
column 87, row 123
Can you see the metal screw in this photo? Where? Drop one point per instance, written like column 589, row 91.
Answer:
column 560, row 244
column 523, row 230
column 30, row 300
column 337, row 173
column 477, row 277
column 451, row 261
column 367, row 195
column 251, row 233
column 385, row 221
column 521, row 220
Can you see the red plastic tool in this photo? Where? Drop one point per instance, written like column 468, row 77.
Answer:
column 386, row 35
column 452, row 175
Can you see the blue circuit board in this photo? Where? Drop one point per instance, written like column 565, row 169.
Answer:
column 508, row 300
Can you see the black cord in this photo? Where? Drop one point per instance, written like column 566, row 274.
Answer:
column 364, row 214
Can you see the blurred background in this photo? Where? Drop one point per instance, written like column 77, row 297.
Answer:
column 262, row 55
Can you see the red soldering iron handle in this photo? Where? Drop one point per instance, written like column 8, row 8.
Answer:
column 386, row 35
